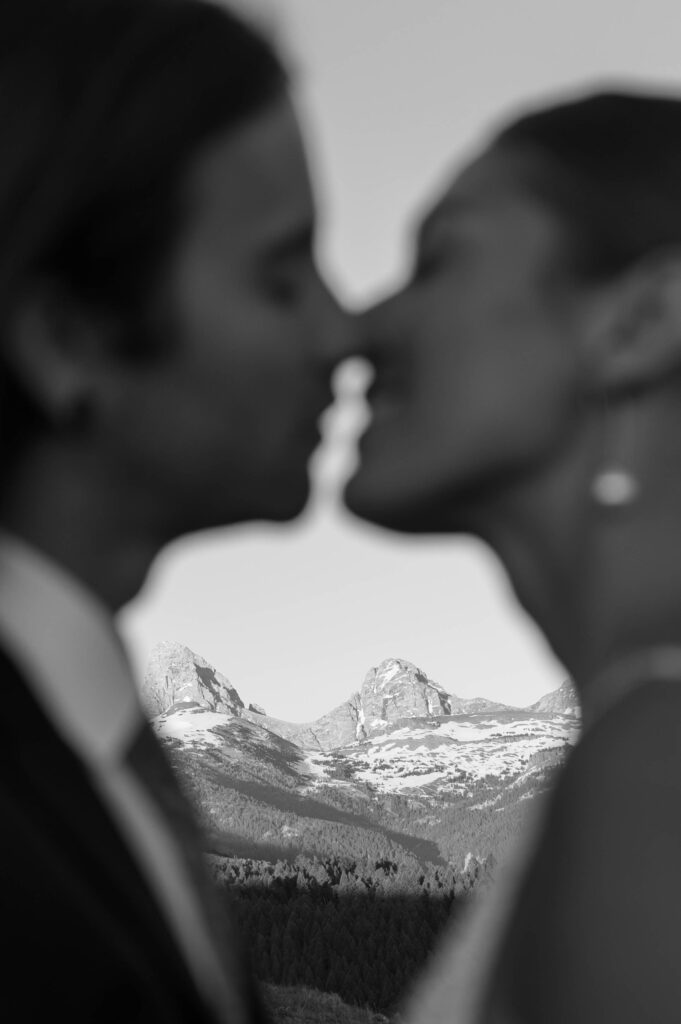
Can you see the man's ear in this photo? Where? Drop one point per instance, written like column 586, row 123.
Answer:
column 50, row 347
column 634, row 327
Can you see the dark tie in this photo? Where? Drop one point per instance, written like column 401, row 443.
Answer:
column 148, row 760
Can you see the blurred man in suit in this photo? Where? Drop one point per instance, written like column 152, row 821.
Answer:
column 165, row 355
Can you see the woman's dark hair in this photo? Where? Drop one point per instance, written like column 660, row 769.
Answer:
column 610, row 168
column 102, row 105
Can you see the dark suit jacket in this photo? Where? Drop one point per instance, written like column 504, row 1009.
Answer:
column 82, row 936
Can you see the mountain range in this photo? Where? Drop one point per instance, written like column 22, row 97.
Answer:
column 402, row 765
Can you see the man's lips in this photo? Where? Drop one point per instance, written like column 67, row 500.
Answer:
column 320, row 410
column 325, row 404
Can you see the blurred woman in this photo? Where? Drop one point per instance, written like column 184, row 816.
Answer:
column 165, row 350
column 528, row 390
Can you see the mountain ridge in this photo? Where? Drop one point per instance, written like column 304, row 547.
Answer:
column 394, row 691
column 406, row 760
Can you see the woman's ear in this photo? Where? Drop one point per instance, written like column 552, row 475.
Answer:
column 50, row 347
column 633, row 335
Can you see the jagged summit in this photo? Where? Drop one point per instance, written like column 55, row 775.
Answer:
column 398, row 689
column 393, row 690
column 400, row 732
column 180, row 685
column 177, row 676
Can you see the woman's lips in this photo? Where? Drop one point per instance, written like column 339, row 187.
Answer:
column 386, row 396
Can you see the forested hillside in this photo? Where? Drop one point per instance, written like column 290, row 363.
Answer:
column 360, row 929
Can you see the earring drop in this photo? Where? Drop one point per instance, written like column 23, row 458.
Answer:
column 614, row 488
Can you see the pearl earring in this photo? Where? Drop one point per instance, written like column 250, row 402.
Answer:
column 614, row 487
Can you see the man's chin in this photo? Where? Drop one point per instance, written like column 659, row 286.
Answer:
column 283, row 502
column 288, row 501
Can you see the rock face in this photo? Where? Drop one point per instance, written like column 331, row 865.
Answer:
column 399, row 733
column 394, row 690
column 175, row 675
column 563, row 701
column 395, row 694
column 397, row 689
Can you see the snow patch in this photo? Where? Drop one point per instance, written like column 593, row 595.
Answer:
column 191, row 726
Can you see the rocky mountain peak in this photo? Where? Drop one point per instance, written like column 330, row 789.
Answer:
column 176, row 675
column 399, row 689
column 395, row 672
column 563, row 701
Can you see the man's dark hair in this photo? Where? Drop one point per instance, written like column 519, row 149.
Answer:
column 103, row 103
column 610, row 168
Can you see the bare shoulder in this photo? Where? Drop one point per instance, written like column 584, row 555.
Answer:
column 596, row 934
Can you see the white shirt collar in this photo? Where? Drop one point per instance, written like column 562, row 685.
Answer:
column 65, row 641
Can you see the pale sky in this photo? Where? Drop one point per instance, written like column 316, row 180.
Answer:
column 394, row 96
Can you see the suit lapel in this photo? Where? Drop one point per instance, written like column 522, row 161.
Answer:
column 59, row 819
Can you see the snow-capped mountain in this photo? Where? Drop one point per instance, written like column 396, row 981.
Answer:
column 176, row 676
column 401, row 732
column 450, row 755
column 393, row 691
column 402, row 767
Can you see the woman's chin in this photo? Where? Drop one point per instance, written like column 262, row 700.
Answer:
column 360, row 499
column 408, row 503
column 375, row 501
